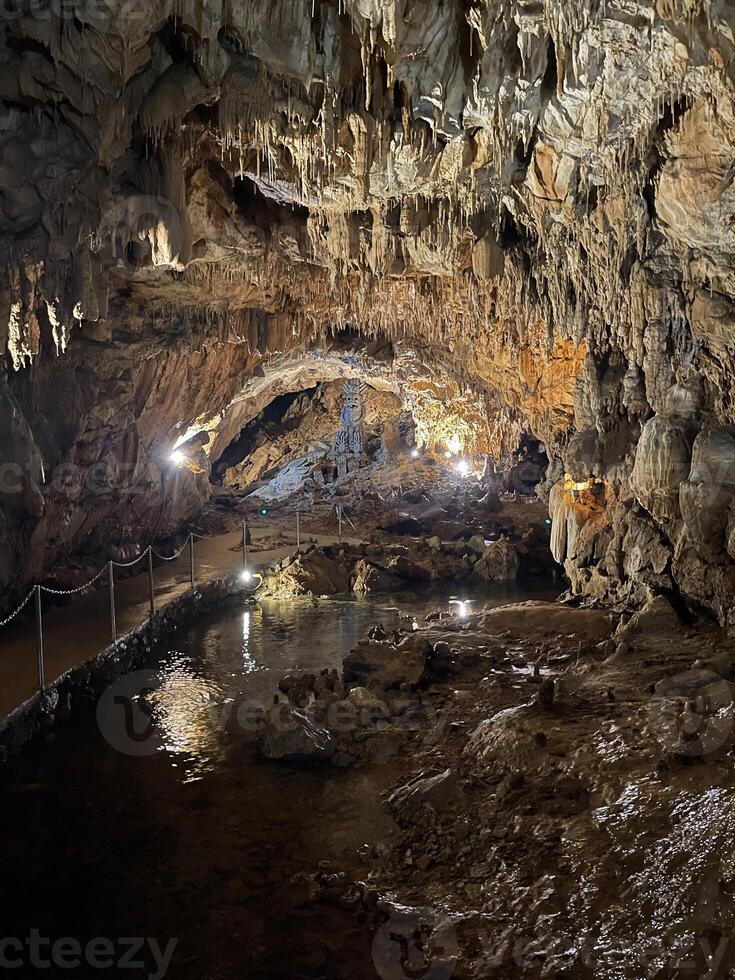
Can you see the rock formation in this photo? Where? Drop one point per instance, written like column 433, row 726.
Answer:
column 530, row 203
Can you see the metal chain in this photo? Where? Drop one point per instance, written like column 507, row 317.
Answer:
column 172, row 557
column 80, row 588
column 129, row 564
column 4, row 622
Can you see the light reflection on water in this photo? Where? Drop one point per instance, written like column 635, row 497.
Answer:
column 461, row 607
column 248, row 661
column 202, row 839
column 185, row 709
column 230, row 662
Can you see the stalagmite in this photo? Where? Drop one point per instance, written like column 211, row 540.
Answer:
column 547, row 225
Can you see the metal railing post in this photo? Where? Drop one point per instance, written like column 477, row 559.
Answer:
column 39, row 640
column 113, row 623
column 244, row 544
column 191, row 558
column 150, row 580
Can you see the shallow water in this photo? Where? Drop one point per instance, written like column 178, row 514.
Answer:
column 154, row 816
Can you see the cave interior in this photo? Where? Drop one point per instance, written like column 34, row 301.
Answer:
column 387, row 296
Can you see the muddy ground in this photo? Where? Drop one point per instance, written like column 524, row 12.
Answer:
column 565, row 803
column 563, row 792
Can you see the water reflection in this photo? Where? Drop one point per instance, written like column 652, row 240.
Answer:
column 201, row 839
column 219, row 673
column 248, row 661
column 461, row 607
column 186, row 711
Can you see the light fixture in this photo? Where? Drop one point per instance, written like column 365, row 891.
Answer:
column 571, row 484
column 415, row 453
column 463, row 467
column 246, row 575
column 464, row 607
column 177, row 457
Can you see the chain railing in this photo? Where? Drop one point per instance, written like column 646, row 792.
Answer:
column 150, row 553
column 20, row 608
column 249, row 576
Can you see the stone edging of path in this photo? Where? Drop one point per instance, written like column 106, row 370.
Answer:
column 84, row 683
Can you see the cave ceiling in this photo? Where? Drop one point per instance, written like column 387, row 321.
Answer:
column 533, row 199
column 547, row 177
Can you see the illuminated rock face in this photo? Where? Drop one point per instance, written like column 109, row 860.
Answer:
column 533, row 200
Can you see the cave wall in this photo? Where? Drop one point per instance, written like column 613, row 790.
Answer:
column 535, row 197
column 86, row 440
column 299, row 423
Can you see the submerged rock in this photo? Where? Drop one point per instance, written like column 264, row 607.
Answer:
column 291, row 735
column 387, row 663
column 439, row 791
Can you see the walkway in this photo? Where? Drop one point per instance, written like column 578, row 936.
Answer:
column 80, row 629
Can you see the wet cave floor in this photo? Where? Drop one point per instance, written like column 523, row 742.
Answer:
column 175, row 828
column 568, row 813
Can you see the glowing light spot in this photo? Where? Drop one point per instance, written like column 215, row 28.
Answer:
column 177, row 457
column 464, row 607
column 570, row 484
column 247, row 657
